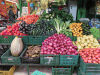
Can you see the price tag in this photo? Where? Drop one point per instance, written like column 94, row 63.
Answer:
column 69, row 57
column 10, row 58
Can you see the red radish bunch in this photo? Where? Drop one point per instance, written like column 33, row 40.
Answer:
column 90, row 55
column 29, row 19
column 58, row 44
column 14, row 30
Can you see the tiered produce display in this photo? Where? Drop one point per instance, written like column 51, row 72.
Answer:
column 48, row 40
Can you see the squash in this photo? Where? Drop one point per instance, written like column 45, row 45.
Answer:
column 16, row 46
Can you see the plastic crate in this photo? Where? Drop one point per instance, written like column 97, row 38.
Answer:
column 72, row 38
column 3, row 50
column 44, row 37
column 51, row 60
column 6, row 40
column 61, row 71
column 69, row 59
column 35, row 40
column 7, row 58
column 24, row 39
column 28, row 60
column 89, row 68
column 79, row 72
column 7, row 70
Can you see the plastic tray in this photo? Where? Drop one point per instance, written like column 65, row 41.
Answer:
column 28, row 60
column 51, row 60
column 7, row 40
column 89, row 67
column 61, row 71
column 35, row 40
column 69, row 59
column 7, row 58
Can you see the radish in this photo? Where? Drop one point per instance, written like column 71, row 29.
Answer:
column 58, row 44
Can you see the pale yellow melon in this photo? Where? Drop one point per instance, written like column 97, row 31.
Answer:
column 16, row 46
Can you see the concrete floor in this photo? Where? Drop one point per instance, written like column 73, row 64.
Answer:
column 22, row 70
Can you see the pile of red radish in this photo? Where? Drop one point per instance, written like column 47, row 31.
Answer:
column 90, row 55
column 29, row 19
column 14, row 30
column 58, row 44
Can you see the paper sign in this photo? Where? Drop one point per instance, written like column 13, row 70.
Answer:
column 25, row 10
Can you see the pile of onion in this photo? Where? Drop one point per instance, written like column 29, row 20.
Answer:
column 58, row 44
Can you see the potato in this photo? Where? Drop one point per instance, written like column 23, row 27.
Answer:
column 38, row 55
column 33, row 55
column 30, row 58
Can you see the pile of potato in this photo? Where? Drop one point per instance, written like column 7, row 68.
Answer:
column 87, row 42
column 33, row 51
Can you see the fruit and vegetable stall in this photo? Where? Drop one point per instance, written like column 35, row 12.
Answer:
column 51, row 39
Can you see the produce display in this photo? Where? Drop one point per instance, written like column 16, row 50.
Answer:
column 95, row 32
column 13, row 30
column 16, row 46
column 29, row 19
column 87, row 42
column 24, row 27
column 58, row 44
column 76, row 29
column 43, row 27
column 90, row 55
column 53, row 14
column 33, row 51
column 85, row 29
column 3, row 25
column 3, row 49
column 62, row 27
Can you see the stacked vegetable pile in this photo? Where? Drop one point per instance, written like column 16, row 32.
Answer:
column 95, row 32
column 76, row 29
column 58, row 44
column 29, row 19
column 85, row 29
column 90, row 55
column 62, row 27
column 87, row 42
column 61, row 13
column 24, row 27
column 44, row 28
column 14, row 30
column 33, row 51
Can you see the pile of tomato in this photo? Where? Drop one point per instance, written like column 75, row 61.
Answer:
column 90, row 55
column 29, row 19
column 13, row 30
